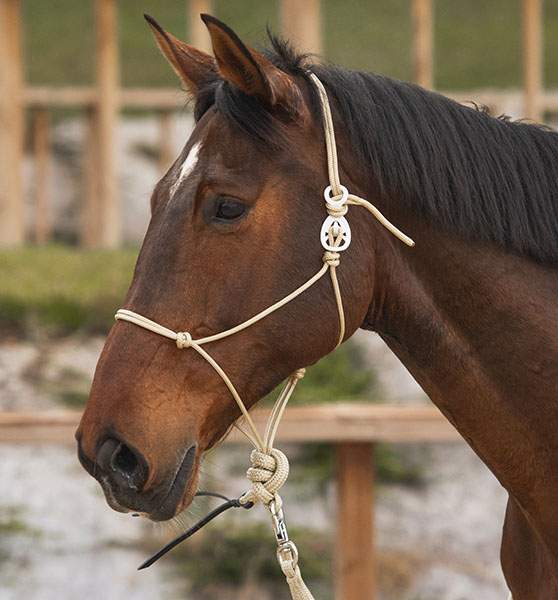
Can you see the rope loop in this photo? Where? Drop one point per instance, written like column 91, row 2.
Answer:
column 267, row 474
column 331, row 258
column 336, row 204
column 183, row 340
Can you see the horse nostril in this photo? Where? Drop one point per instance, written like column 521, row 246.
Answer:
column 123, row 460
column 124, row 464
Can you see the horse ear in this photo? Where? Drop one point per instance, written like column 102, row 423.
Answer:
column 249, row 71
column 191, row 65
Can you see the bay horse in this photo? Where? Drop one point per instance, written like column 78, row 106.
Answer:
column 471, row 311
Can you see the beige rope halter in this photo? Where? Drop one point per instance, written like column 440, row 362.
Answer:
column 270, row 467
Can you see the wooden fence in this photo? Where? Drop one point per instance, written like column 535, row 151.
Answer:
column 100, row 213
column 353, row 429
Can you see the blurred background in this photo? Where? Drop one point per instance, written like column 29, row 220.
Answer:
column 90, row 117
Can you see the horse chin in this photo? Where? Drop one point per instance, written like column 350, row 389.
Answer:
column 187, row 498
column 179, row 498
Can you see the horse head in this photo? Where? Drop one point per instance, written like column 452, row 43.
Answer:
column 235, row 227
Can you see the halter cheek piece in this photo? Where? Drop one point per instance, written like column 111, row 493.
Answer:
column 270, row 466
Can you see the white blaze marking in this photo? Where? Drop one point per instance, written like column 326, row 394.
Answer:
column 186, row 168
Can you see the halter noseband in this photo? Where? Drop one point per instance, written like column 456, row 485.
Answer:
column 335, row 236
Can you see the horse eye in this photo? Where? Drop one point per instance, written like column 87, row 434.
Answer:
column 229, row 210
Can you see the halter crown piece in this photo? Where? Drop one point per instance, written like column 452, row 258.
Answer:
column 270, row 467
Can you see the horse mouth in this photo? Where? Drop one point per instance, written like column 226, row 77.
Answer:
column 160, row 505
column 181, row 491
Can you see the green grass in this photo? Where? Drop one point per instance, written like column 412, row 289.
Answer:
column 398, row 464
column 58, row 290
column 339, row 376
column 478, row 43
column 12, row 525
column 69, row 387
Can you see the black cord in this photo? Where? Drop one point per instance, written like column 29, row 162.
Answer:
column 213, row 495
column 234, row 503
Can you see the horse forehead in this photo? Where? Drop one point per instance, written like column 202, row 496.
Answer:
column 187, row 166
column 227, row 155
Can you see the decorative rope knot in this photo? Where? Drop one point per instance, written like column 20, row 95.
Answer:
column 331, row 258
column 267, row 474
column 299, row 373
column 183, row 340
column 336, row 211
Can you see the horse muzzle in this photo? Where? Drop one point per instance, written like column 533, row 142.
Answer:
column 124, row 474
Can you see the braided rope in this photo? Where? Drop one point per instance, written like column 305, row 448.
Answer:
column 296, row 584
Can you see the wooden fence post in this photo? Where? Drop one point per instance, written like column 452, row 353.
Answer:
column 355, row 576
column 41, row 146
column 90, row 218
column 110, row 234
column 422, row 24
column 198, row 36
column 165, row 140
column 11, row 125
column 532, row 58
column 302, row 21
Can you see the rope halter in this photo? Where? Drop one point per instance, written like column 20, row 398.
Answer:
column 270, row 467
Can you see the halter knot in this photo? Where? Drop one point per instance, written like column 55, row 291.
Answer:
column 331, row 258
column 267, row 474
column 299, row 373
column 183, row 340
column 336, row 211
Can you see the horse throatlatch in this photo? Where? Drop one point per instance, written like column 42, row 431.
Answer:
column 270, row 467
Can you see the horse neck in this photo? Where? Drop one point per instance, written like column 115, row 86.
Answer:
column 476, row 326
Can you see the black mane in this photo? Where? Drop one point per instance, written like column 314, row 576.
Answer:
column 457, row 167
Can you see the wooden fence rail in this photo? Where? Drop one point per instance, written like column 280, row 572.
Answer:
column 101, row 219
column 353, row 429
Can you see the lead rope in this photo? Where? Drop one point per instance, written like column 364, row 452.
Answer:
column 270, row 467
